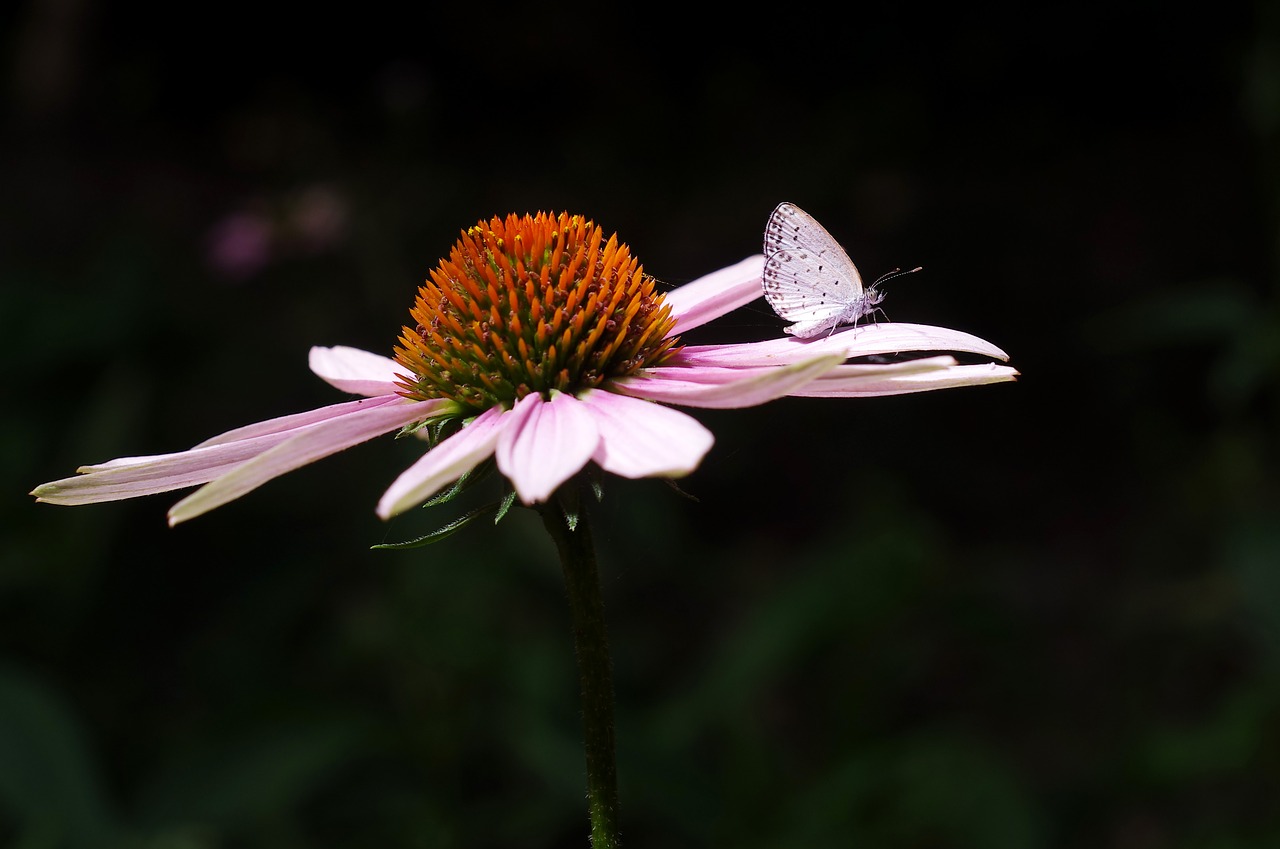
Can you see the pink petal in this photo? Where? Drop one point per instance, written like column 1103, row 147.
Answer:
column 723, row 388
column 867, row 340
column 307, row 446
column 356, row 371
column 640, row 439
column 716, row 294
column 840, row 384
column 285, row 424
column 445, row 463
column 547, row 443
column 131, row 477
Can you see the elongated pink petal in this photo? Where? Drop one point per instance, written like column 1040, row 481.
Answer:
column 641, row 439
column 867, row 340
column 722, row 388
column 307, row 446
column 445, row 463
column 548, row 442
column 284, row 424
column 131, row 477
column 355, row 371
column 717, row 376
column 717, row 293
column 836, row 384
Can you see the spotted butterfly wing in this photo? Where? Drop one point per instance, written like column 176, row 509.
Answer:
column 808, row 277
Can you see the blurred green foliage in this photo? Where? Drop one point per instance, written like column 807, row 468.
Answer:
column 1034, row 615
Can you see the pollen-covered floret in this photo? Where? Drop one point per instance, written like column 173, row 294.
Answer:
column 532, row 303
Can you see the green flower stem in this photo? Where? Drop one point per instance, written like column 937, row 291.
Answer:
column 591, row 644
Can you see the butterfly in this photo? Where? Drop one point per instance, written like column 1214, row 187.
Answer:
column 808, row 277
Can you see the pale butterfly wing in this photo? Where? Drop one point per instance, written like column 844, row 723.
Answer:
column 808, row 278
column 806, row 269
column 790, row 227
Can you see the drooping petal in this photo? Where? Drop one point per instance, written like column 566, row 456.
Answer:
column 723, row 388
column 641, row 439
column 717, row 293
column 445, row 463
column 839, row 383
column 285, row 424
column 867, row 340
column 355, row 371
column 548, row 442
column 307, row 446
column 131, row 477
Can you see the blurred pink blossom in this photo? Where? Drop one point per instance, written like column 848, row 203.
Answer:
column 245, row 241
column 239, row 245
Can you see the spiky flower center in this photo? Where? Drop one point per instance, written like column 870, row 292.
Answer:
column 530, row 304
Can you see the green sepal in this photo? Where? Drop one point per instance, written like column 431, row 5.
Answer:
column 671, row 483
column 440, row 533
column 595, row 479
column 570, row 504
column 507, row 501
column 465, row 482
column 438, row 427
column 449, row 494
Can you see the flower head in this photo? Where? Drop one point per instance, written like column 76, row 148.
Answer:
column 532, row 304
column 545, row 346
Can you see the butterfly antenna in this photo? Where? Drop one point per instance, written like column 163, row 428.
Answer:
column 889, row 275
column 897, row 272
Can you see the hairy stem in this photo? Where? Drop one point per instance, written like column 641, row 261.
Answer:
column 595, row 668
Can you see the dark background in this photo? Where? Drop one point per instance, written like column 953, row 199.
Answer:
column 1042, row 614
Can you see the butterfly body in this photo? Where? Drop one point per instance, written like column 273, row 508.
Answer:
column 808, row 278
